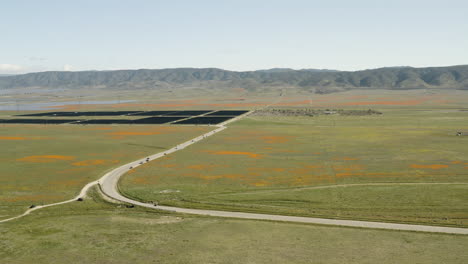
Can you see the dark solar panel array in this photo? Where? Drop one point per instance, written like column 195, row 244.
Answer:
column 228, row 113
column 142, row 121
column 105, row 122
column 100, row 113
column 189, row 113
column 153, row 113
column 189, row 117
column 204, row 120
column 36, row 121
column 158, row 119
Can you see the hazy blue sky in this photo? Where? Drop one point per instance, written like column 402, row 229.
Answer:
column 236, row 35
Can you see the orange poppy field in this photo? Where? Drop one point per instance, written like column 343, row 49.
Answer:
column 288, row 164
column 46, row 164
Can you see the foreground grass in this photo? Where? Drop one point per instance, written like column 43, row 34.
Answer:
column 45, row 164
column 252, row 165
column 94, row 231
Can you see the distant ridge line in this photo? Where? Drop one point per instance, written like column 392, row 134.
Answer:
column 319, row 81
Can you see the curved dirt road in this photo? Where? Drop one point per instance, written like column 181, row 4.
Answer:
column 109, row 186
column 81, row 195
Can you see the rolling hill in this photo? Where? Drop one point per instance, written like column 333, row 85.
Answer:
column 319, row 81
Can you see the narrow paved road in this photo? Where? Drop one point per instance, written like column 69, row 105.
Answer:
column 109, row 185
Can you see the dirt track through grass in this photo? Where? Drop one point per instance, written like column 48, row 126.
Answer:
column 301, row 154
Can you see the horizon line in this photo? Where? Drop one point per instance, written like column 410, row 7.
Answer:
column 202, row 68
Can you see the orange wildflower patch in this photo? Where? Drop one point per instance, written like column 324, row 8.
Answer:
column 266, row 169
column 202, row 167
column 346, row 158
column 21, row 138
column 46, row 158
column 456, row 162
column 260, row 183
column 275, row 139
column 94, row 162
column 11, row 138
column 234, row 176
column 249, row 154
column 348, row 168
column 348, row 174
column 140, row 181
column 314, row 166
column 74, row 170
column 182, row 104
column 150, row 132
column 208, row 177
column 430, row 166
column 133, row 133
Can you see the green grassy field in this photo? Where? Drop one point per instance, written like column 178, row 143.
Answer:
column 45, row 164
column 327, row 166
column 94, row 231
column 262, row 164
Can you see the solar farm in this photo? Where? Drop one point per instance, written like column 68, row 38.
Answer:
column 187, row 117
column 337, row 167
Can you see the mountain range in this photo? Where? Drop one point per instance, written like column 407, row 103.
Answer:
column 319, row 81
